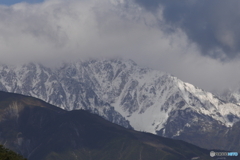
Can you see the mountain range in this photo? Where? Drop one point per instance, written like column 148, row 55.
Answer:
column 126, row 94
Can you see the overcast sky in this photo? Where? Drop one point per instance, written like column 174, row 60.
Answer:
column 195, row 40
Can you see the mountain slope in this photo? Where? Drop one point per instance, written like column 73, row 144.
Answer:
column 64, row 91
column 40, row 131
column 123, row 93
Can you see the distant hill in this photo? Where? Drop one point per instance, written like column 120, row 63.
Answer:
column 40, row 131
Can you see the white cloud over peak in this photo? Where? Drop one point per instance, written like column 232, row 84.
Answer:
column 58, row 30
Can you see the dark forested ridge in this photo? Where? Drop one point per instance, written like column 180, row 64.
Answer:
column 6, row 154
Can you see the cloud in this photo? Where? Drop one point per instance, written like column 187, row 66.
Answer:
column 70, row 28
column 60, row 30
column 212, row 25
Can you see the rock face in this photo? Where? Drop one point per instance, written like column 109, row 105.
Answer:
column 131, row 96
column 61, row 87
column 40, row 131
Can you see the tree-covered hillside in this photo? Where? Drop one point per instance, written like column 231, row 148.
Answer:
column 6, row 154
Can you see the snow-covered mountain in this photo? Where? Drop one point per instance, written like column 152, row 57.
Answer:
column 60, row 87
column 125, row 93
column 231, row 95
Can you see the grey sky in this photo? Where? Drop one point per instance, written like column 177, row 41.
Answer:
column 165, row 37
column 213, row 25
